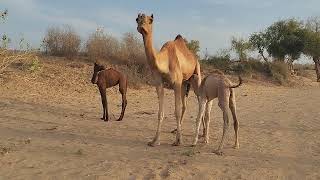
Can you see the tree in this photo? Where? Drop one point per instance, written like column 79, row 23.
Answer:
column 312, row 42
column 285, row 38
column 259, row 42
column 241, row 47
column 194, row 46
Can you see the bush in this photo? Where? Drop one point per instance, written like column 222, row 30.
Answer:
column 279, row 72
column 62, row 41
column 102, row 46
column 218, row 62
column 132, row 55
column 132, row 50
column 34, row 65
column 251, row 66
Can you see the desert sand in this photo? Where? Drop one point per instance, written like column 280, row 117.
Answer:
column 50, row 128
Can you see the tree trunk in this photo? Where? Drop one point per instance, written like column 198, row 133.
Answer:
column 290, row 66
column 317, row 67
column 264, row 58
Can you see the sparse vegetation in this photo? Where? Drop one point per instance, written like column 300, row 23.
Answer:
column 8, row 57
column 279, row 45
column 102, row 46
column 189, row 152
column 241, row 47
column 62, row 41
column 194, row 46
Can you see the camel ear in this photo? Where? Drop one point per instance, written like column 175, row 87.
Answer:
column 151, row 20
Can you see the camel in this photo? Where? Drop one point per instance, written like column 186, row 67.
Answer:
column 173, row 65
column 106, row 78
column 216, row 85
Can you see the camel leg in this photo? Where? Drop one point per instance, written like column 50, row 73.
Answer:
column 232, row 106
column 203, row 127
column 207, row 121
column 184, row 104
column 123, row 91
column 160, row 92
column 104, row 103
column 178, row 112
column 223, row 104
column 201, row 109
column 123, row 105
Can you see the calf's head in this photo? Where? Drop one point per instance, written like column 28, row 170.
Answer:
column 96, row 69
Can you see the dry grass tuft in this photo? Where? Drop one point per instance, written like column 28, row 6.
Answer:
column 26, row 59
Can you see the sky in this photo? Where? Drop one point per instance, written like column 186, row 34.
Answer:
column 212, row 22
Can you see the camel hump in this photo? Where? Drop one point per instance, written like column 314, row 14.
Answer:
column 178, row 37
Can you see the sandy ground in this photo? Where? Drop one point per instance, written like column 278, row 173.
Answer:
column 50, row 129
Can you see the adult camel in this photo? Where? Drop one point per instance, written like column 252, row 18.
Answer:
column 173, row 65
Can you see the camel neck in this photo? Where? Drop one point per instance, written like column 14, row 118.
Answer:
column 150, row 51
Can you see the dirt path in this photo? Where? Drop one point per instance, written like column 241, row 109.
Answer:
column 51, row 137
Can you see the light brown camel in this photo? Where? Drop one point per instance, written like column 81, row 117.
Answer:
column 173, row 65
column 216, row 85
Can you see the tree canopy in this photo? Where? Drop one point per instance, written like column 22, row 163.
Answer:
column 241, row 47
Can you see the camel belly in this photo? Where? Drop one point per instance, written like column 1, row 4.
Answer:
column 187, row 65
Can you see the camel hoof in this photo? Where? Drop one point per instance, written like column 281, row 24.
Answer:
column 200, row 136
column 174, row 131
column 177, row 143
column 206, row 142
column 236, row 146
column 102, row 118
column 193, row 145
column 119, row 120
column 106, row 120
column 153, row 144
column 218, row 152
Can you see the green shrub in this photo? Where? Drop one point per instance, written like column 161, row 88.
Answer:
column 34, row 65
column 279, row 72
column 243, row 68
column 251, row 66
column 218, row 62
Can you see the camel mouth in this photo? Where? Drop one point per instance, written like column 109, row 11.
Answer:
column 141, row 30
column 95, row 77
column 94, row 80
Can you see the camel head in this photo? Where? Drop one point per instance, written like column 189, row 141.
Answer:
column 96, row 69
column 144, row 24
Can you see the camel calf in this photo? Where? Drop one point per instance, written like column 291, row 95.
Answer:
column 106, row 78
column 216, row 85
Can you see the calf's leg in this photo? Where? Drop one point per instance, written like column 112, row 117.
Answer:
column 104, row 102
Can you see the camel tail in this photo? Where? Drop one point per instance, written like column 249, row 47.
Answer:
column 235, row 86
column 188, row 85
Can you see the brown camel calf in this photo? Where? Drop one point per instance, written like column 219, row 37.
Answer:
column 216, row 85
column 106, row 78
